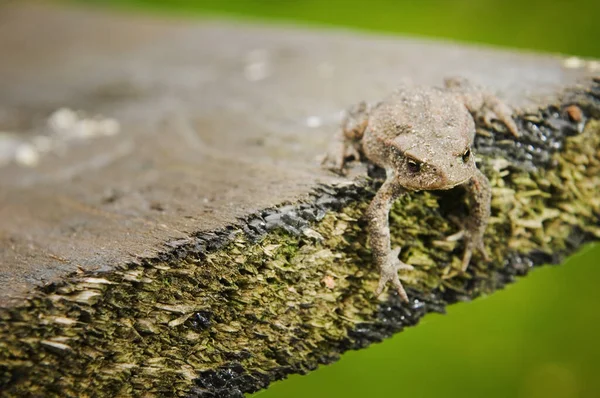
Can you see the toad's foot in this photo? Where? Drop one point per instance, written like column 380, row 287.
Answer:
column 473, row 241
column 339, row 152
column 496, row 109
column 389, row 273
column 347, row 143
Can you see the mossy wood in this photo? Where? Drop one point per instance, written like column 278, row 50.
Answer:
column 202, row 251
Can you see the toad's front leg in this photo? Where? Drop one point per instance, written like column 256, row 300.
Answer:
column 480, row 192
column 379, row 235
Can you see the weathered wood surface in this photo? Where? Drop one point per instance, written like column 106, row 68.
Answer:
column 217, row 122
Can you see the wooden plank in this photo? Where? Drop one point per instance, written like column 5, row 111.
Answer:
column 216, row 123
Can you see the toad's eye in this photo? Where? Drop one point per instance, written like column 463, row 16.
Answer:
column 466, row 155
column 414, row 166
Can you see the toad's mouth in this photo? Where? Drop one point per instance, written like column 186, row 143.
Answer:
column 454, row 185
column 437, row 185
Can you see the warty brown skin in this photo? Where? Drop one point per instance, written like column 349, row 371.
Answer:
column 422, row 137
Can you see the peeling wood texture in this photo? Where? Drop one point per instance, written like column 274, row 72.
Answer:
column 165, row 228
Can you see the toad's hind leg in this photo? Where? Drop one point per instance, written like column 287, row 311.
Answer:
column 347, row 142
column 481, row 102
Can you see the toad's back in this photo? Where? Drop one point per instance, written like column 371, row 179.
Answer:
column 424, row 121
column 421, row 111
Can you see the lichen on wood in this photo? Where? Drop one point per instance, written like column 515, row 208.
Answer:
column 292, row 287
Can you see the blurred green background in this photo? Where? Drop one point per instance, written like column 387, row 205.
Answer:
column 552, row 25
column 539, row 338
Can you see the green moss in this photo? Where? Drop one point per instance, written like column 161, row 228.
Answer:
column 280, row 304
